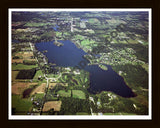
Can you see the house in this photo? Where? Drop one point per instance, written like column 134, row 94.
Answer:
column 98, row 103
column 76, row 72
column 68, row 69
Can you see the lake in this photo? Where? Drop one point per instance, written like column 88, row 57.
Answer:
column 100, row 80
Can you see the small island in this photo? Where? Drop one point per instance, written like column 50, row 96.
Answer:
column 103, row 67
column 45, row 51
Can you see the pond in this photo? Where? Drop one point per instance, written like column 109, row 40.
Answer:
column 100, row 80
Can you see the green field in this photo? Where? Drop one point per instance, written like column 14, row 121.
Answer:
column 38, row 73
column 21, row 105
column 64, row 93
column 22, row 66
column 87, row 42
column 38, row 96
column 35, row 24
column 94, row 21
column 76, row 94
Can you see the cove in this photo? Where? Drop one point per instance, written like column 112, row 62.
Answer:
column 100, row 80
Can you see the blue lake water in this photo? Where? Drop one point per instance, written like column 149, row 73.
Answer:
column 100, row 80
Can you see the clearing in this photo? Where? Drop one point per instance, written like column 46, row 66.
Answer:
column 56, row 105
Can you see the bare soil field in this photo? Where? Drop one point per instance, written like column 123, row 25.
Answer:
column 19, row 87
column 25, row 55
column 31, row 59
column 14, row 75
column 52, row 85
column 21, row 60
column 52, row 104
column 17, row 60
column 39, row 89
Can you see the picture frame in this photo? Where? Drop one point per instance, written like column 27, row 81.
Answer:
column 82, row 123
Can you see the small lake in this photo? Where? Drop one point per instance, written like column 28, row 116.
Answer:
column 100, row 80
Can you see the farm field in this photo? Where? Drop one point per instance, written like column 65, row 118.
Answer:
column 38, row 73
column 22, row 66
column 14, row 75
column 26, row 74
column 38, row 96
column 56, row 105
column 64, row 93
column 53, row 85
column 17, row 61
column 19, row 87
column 25, row 55
column 76, row 94
column 20, row 106
column 39, row 89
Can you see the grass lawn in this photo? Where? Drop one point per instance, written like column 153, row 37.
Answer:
column 38, row 73
column 22, row 66
column 21, row 105
column 64, row 93
column 78, row 94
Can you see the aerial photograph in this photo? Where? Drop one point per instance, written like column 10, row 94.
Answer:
column 78, row 63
